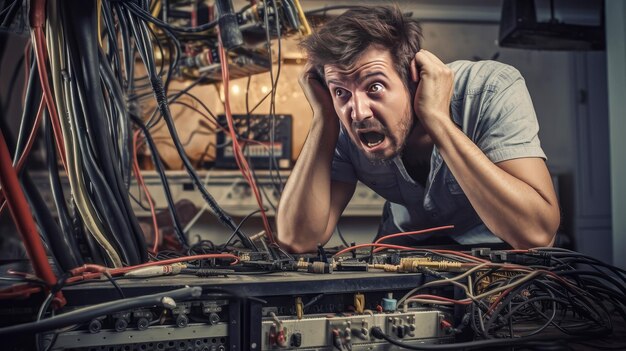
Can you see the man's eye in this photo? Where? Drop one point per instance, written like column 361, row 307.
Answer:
column 375, row 88
column 340, row 92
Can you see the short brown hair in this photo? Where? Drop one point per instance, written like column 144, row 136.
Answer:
column 343, row 40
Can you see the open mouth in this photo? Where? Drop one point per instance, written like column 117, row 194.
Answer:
column 371, row 139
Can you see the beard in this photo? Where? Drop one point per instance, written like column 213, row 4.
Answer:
column 397, row 138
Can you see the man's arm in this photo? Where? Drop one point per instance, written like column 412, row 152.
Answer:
column 514, row 198
column 311, row 203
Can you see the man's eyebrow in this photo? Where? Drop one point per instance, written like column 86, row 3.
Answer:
column 360, row 79
column 371, row 74
column 334, row 81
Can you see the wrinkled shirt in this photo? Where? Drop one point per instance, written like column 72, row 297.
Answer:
column 492, row 106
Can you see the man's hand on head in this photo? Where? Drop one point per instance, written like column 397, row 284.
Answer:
column 435, row 84
column 317, row 93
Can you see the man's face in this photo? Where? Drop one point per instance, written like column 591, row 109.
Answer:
column 372, row 103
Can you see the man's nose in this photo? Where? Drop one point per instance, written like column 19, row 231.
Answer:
column 360, row 107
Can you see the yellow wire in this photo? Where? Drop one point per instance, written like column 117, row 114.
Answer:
column 157, row 8
column 305, row 23
column 155, row 12
column 99, row 14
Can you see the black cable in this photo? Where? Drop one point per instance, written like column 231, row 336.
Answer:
column 212, row 272
column 199, row 248
column 40, row 314
column 123, row 135
column 29, row 111
column 103, row 201
column 58, row 241
column 127, row 49
column 239, row 226
column 608, row 278
column 580, row 307
column 85, row 314
column 148, row 59
column 158, row 165
column 152, row 121
column 11, row 11
column 123, row 181
column 278, row 188
column 115, row 284
column 378, row 333
column 592, row 263
column 343, row 240
column 83, row 50
column 272, row 159
column 139, row 202
column 201, row 103
column 173, row 62
column 146, row 16
column 113, row 53
column 58, row 197
column 549, row 320
column 495, row 314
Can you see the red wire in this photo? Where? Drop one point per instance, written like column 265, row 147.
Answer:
column 139, row 177
column 40, row 52
column 386, row 246
column 23, row 218
column 498, row 299
column 29, row 145
column 423, row 231
column 441, row 298
column 242, row 163
column 92, row 271
column 458, row 253
column 19, row 291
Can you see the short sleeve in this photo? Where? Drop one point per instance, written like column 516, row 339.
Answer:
column 507, row 126
column 342, row 169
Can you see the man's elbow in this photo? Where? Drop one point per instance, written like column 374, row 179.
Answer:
column 298, row 248
column 542, row 234
column 294, row 243
column 295, row 235
column 537, row 239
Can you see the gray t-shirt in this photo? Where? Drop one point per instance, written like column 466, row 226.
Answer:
column 492, row 106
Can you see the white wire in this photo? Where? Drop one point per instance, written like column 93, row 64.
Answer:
column 55, row 42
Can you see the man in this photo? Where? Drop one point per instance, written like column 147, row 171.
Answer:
column 444, row 144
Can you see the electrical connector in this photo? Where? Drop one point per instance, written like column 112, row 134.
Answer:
column 386, row 267
column 155, row 271
column 299, row 307
column 377, row 333
column 352, row 266
column 281, row 337
column 416, row 265
column 359, row 303
column 320, row 267
column 389, row 303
